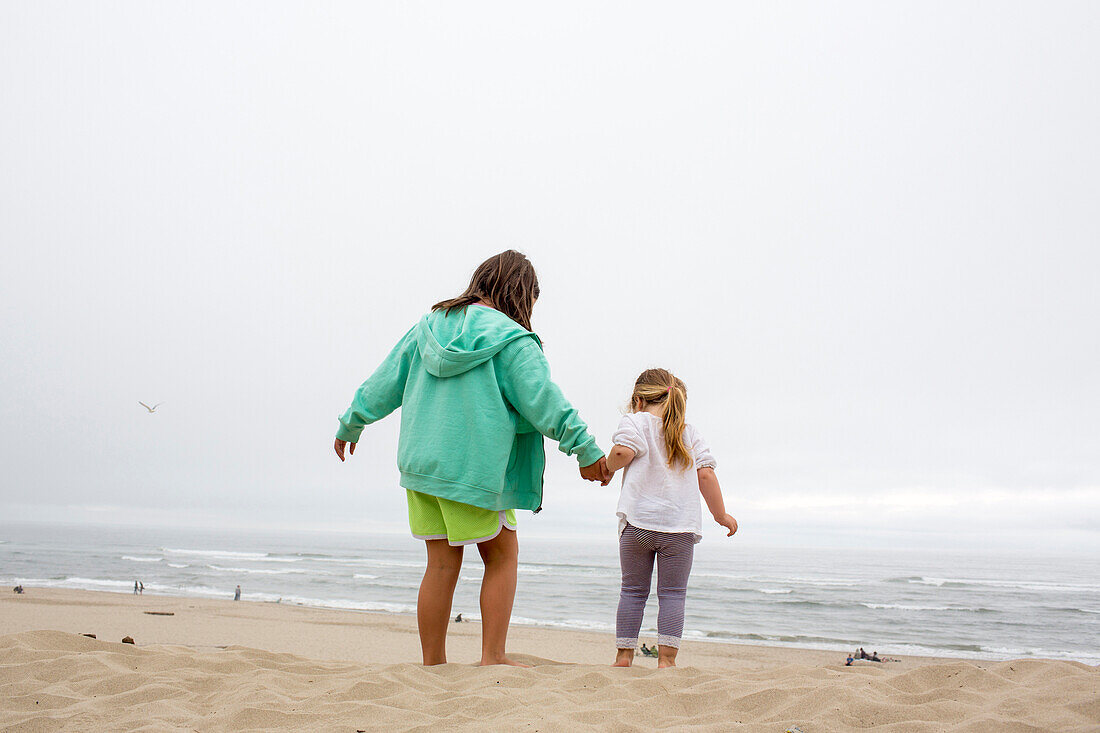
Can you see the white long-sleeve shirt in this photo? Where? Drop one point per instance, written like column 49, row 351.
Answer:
column 654, row 495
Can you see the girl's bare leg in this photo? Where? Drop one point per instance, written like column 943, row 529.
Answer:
column 666, row 656
column 498, row 591
column 624, row 658
column 433, row 605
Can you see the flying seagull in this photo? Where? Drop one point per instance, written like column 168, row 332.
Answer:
column 150, row 409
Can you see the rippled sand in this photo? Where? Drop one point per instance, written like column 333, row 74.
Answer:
column 219, row 665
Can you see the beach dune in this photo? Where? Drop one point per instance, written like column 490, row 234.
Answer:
column 219, row 665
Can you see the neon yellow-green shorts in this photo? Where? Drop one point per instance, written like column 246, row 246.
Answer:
column 433, row 518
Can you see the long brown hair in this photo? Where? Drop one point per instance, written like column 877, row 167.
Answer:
column 660, row 386
column 507, row 281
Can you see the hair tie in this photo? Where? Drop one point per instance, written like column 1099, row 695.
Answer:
column 669, row 390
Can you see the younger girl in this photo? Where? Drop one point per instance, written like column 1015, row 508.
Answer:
column 476, row 398
column 667, row 466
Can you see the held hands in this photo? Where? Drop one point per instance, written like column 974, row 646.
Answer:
column 597, row 472
column 728, row 522
column 339, row 446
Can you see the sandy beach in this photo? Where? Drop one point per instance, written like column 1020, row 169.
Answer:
column 220, row 665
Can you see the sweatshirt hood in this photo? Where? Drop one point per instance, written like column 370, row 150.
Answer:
column 455, row 343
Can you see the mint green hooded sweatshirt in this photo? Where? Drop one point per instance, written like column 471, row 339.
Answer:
column 476, row 398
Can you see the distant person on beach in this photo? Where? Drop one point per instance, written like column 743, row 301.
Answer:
column 135, row 587
column 141, row 589
column 476, row 399
column 458, row 619
column 667, row 465
column 17, row 589
column 237, row 594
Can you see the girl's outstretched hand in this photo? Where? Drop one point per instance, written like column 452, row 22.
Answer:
column 339, row 446
column 729, row 523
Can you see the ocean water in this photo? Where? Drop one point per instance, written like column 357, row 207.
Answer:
column 973, row 604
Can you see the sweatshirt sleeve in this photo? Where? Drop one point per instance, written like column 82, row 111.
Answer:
column 526, row 384
column 381, row 394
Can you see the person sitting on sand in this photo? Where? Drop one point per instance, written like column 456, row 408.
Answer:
column 667, row 466
column 17, row 589
column 874, row 657
column 476, row 398
column 848, row 661
column 458, row 619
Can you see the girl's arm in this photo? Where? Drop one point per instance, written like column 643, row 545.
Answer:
column 712, row 493
column 620, row 457
column 526, row 384
column 380, row 395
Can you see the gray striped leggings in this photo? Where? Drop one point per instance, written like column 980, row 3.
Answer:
column 637, row 550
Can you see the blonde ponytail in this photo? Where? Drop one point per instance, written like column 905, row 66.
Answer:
column 659, row 386
column 673, row 422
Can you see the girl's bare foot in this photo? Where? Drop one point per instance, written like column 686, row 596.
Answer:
column 666, row 656
column 502, row 660
column 624, row 658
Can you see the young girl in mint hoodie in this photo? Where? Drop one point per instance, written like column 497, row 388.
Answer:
column 476, row 398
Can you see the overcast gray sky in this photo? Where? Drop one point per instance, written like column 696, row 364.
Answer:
column 865, row 235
